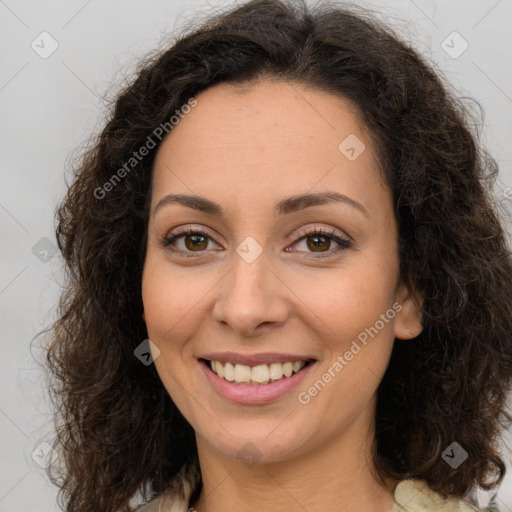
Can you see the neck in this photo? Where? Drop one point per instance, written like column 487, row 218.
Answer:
column 334, row 476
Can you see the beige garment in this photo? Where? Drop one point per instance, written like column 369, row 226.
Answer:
column 410, row 496
column 416, row 496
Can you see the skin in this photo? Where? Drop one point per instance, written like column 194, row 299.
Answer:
column 247, row 148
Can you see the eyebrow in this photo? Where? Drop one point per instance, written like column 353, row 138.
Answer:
column 283, row 207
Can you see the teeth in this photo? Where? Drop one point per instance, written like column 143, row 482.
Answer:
column 219, row 369
column 288, row 369
column 242, row 372
column 229, row 372
column 276, row 370
column 260, row 374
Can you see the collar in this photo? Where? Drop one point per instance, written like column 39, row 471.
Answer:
column 412, row 495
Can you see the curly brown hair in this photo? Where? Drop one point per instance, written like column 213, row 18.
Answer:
column 120, row 431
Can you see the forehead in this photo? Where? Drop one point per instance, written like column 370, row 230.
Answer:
column 266, row 137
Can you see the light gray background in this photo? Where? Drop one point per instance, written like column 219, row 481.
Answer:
column 49, row 108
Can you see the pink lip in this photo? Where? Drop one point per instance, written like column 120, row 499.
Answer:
column 253, row 395
column 253, row 359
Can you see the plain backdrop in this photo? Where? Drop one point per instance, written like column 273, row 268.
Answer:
column 59, row 58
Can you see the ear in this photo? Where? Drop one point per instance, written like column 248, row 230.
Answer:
column 408, row 319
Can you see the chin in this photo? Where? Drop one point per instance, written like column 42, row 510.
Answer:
column 256, row 447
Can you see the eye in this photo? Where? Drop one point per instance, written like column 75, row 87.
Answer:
column 316, row 240
column 194, row 240
column 319, row 240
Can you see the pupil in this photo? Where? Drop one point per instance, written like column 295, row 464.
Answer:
column 318, row 241
column 196, row 241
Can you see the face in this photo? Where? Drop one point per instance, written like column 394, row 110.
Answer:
column 257, row 277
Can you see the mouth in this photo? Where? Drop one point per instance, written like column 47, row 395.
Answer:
column 257, row 375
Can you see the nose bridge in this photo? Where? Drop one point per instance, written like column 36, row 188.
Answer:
column 250, row 295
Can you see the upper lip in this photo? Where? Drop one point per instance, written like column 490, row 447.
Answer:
column 254, row 359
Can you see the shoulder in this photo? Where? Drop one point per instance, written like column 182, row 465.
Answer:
column 414, row 495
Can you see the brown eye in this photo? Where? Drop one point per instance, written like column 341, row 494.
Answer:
column 188, row 242
column 318, row 243
column 196, row 242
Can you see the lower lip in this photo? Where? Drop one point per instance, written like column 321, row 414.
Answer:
column 254, row 395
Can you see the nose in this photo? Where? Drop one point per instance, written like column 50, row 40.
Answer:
column 251, row 298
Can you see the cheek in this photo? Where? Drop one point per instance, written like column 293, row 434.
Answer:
column 347, row 306
column 166, row 304
column 166, row 300
column 168, row 295
column 357, row 344
column 348, row 301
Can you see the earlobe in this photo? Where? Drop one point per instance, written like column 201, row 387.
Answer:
column 408, row 320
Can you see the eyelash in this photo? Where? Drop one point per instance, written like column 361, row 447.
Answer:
column 344, row 243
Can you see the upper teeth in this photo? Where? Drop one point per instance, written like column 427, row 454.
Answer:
column 260, row 374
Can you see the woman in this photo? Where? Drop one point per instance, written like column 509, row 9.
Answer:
column 288, row 286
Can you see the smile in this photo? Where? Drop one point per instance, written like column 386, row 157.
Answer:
column 261, row 374
column 254, row 385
